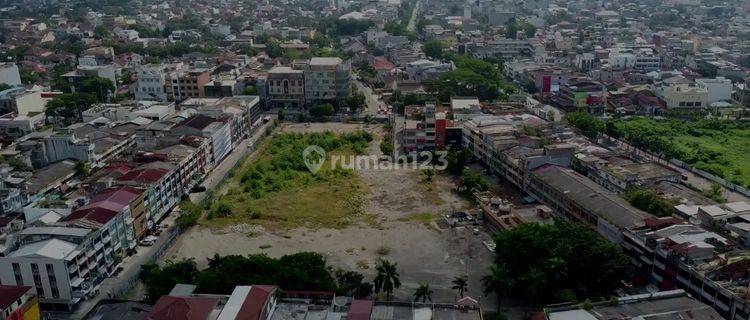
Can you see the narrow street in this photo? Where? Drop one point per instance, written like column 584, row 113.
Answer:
column 412, row 26
column 371, row 98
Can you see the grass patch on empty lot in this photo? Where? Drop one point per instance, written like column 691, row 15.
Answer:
column 275, row 189
column 716, row 146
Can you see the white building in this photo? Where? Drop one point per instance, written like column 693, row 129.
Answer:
column 9, row 74
column 63, row 264
column 719, row 89
column 645, row 60
column 150, row 84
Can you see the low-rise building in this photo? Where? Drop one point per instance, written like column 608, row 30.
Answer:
column 19, row 302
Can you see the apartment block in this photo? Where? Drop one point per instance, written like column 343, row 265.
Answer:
column 64, row 264
column 286, row 87
column 187, row 83
column 326, row 79
column 151, row 83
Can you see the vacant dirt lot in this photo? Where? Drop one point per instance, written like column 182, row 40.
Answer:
column 404, row 208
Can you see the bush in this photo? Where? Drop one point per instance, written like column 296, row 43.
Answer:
column 649, row 201
column 322, row 110
column 190, row 213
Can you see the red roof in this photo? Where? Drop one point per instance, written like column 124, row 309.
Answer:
column 360, row 310
column 97, row 214
column 120, row 195
column 182, row 308
column 9, row 294
column 145, row 176
column 4, row 221
column 383, row 64
column 255, row 302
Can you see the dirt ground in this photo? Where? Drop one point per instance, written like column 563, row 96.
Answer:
column 424, row 251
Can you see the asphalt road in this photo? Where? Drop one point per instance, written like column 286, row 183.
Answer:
column 371, row 98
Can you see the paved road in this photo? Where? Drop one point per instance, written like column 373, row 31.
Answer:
column 413, row 19
column 371, row 98
column 132, row 264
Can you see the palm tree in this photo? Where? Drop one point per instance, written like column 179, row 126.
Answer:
column 461, row 285
column 535, row 280
column 387, row 278
column 423, row 292
column 499, row 281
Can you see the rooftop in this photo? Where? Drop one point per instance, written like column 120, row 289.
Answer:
column 9, row 294
column 592, row 196
column 52, row 248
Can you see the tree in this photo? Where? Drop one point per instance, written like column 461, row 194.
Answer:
column 4, row 86
column 716, row 193
column 387, row 278
column 159, row 281
column 82, row 168
column 386, row 146
column 471, row 180
column 433, row 49
column 589, row 125
column 322, row 110
column 499, row 281
column 355, row 101
column 423, row 292
column 457, row 160
column 100, row 88
column 460, row 284
column 250, row 91
column 68, row 107
column 549, row 260
column 350, row 283
column 649, row 201
column 273, row 49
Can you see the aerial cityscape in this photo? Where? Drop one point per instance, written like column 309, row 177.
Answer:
column 374, row 159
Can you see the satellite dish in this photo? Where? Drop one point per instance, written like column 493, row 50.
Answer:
column 694, row 220
column 652, row 288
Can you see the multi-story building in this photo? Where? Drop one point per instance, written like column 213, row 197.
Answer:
column 542, row 172
column 326, row 79
column 63, row 264
column 719, row 89
column 618, row 173
column 501, row 48
column 9, row 74
column 151, row 83
column 218, row 132
column 161, row 188
column 706, row 265
column 418, row 132
column 577, row 198
column 638, row 61
column 286, row 87
column 187, row 83
column 684, row 97
column 22, row 101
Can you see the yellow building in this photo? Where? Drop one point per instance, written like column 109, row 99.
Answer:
column 18, row 303
column 685, row 97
